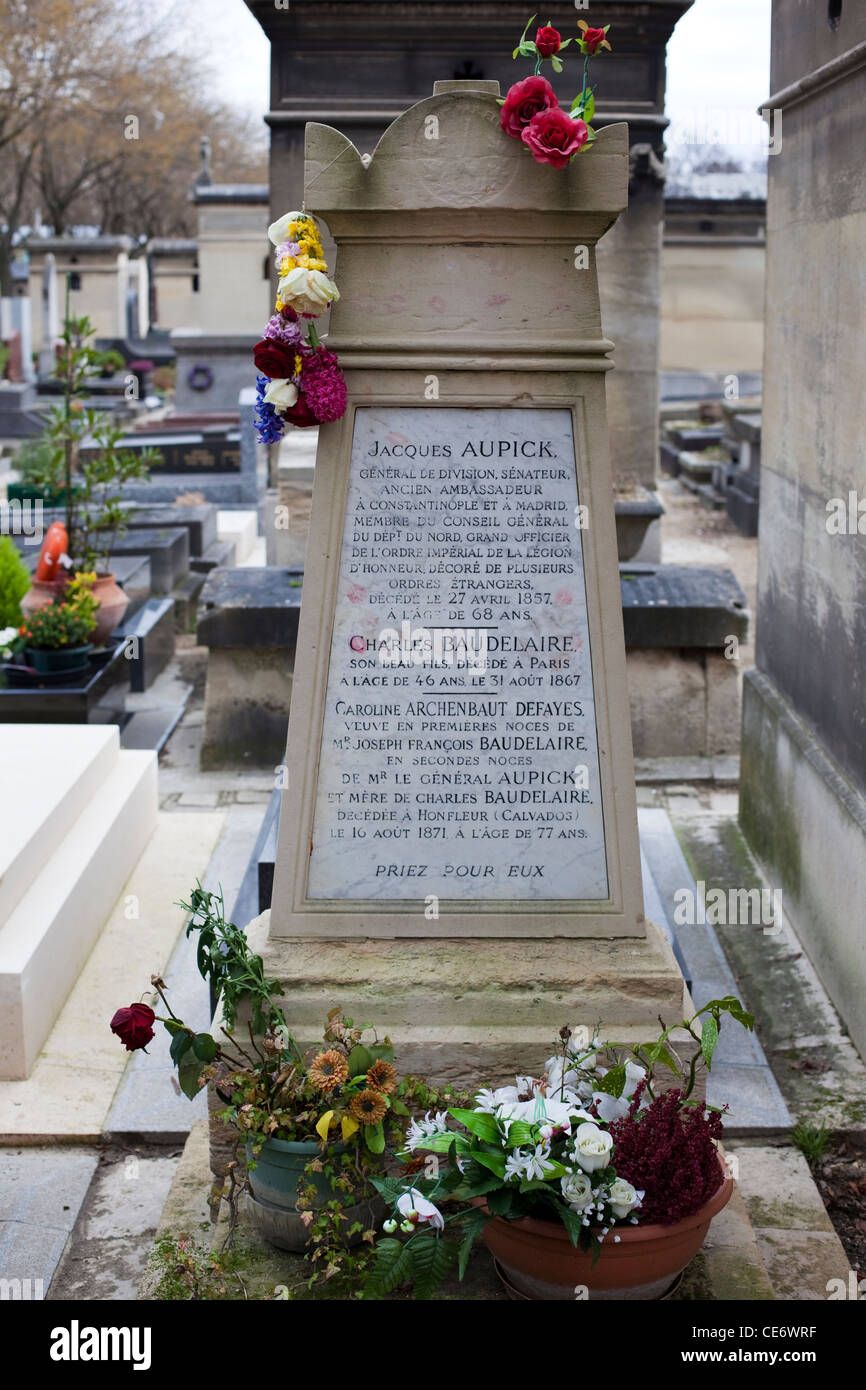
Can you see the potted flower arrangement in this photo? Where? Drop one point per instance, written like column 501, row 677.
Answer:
column 85, row 466
column 587, row 1177
column 312, row 1126
column 58, row 638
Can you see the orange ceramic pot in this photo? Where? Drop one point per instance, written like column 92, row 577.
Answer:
column 539, row 1261
column 41, row 594
column 113, row 602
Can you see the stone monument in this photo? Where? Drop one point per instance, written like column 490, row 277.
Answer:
column 458, row 854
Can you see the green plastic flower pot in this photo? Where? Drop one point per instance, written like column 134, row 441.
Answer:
column 279, row 1172
column 49, row 661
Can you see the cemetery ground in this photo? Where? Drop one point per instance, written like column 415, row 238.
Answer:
column 101, row 1172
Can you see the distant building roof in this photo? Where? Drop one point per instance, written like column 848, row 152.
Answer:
column 684, row 182
column 231, row 193
column 171, row 246
column 80, row 243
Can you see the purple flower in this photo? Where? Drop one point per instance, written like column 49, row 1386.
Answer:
column 269, row 424
column 283, row 330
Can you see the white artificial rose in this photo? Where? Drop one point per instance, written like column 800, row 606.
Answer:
column 281, row 393
column 576, row 1190
column 592, row 1147
column 307, row 291
column 278, row 231
column 622, row 1197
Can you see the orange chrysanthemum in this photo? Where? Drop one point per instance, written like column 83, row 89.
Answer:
column 382, row 1077
column 328, row 1071
column 368, row 1108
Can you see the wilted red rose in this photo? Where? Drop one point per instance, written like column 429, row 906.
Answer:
column 593, row 39
column 525, row 100
column 274, row 359
column 548, row 41
column 133, row 1026
column 553, row 137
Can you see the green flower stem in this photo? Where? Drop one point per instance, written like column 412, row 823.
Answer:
column 312, row 337
column 585, row 81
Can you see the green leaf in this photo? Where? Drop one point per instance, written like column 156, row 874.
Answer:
column 556, row 62
column 389, row 1189
column 484, row 1126
column 500, row 1202
column 441, row 1143
column 612, row 1084
column 519, row 1132
column 359, row 1060
column 381, row 1052
column 589, row 109
column 572, row 1221
column 180, row 1043
column 188, row 1073
column 528, row 49
column 495, row 1162
column 657, row 1052
column 398, row 1107
column 374, row 1136
column 472, row 1228
column 393, row 1263
column 204, row 1047
column 709, row 1038
column 431, row 1259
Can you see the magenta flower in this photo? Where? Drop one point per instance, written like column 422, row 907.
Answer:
column 323, row 385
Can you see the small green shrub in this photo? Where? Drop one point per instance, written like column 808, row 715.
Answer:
column 14, row 583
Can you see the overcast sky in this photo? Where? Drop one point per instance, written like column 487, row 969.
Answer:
column 718, row 60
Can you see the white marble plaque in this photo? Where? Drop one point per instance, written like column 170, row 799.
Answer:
column 459, row 755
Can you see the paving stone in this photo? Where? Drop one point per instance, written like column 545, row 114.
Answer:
column 42, row 1192
column 801, row 1264
column 778, row 1188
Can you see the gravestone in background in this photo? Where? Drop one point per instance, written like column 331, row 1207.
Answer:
column 458, row 854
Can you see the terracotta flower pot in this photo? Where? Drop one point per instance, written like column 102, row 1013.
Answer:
column 41, row 594
column 540, row 1262
column 113, row 602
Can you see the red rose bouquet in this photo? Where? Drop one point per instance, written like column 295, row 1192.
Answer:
column 531, row 112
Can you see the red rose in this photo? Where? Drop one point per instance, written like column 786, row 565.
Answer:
column 274, row 359
column 300, row 413
column 548, row 41
column 132, row 1026
column 593, row 38
column 552, row 137
column 525, row 100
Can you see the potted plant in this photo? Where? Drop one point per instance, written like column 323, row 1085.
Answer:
column 312, row 1126
column 586, row 1178
column 58, row 638
column 87, row 466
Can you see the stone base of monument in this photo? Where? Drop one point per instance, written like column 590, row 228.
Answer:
column 76, row 814
column 249, row 623
column 477, row 1012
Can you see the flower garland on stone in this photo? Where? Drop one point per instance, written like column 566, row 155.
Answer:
column 531, row 111
column 299, row 381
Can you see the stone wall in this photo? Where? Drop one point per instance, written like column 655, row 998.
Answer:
column 803, row 802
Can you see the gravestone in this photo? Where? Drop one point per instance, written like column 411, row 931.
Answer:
column 458, row 855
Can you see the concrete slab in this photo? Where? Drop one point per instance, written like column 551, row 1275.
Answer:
column 42, row 1193
column 741, row 1076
